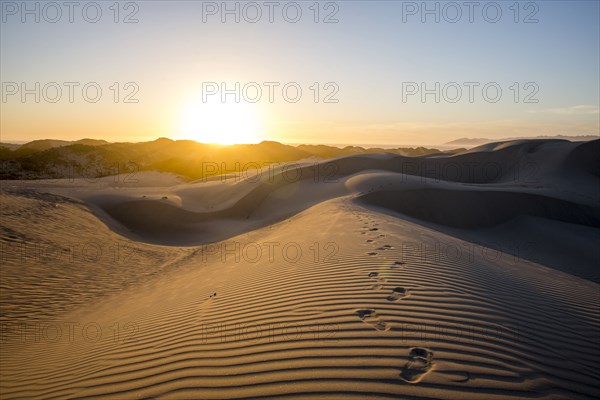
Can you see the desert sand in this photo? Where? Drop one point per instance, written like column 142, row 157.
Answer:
column 471, row 276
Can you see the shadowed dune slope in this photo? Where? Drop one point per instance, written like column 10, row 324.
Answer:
column 539, row 177
column 481, row 208
column 585, row 158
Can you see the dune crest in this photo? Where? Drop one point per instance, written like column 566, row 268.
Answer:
column 368, row 282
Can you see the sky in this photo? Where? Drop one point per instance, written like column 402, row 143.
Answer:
column 347, row 72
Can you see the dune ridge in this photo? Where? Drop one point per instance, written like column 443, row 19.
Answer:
column 378, row 302
column 534, row 187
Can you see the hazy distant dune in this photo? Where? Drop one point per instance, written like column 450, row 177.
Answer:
column 480, row 141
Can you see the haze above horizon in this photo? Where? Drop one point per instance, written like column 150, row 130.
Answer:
column 331, row 72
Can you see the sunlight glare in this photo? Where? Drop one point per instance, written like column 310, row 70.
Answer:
column 220, row 122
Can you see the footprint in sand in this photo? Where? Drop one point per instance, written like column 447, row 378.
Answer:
column 380, row 280
column 369, row 316
column 398, row 294
column 419, row 364
column 372, row 253
column 370, row 241
column 385, row 247
column 374, row 229
column 379, row 285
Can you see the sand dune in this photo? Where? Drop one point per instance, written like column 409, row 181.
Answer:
column 358, row 277
column 535, row 169
column 481, row 208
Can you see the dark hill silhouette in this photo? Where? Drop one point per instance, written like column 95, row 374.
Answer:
column 94, row 158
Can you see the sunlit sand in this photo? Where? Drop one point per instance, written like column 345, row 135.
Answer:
column 396, row 277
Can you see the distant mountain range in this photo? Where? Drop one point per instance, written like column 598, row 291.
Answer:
column 89, row 158
column 479, row 141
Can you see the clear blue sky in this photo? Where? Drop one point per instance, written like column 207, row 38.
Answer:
column 369, row 54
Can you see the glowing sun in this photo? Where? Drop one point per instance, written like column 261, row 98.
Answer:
column 220, row 122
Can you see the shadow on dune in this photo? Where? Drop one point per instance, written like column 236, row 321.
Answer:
column 480, row 208
column 530, row 163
